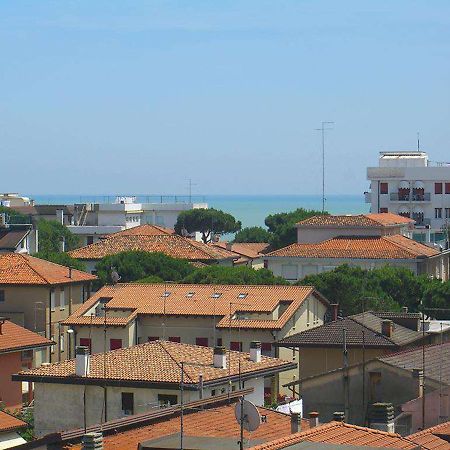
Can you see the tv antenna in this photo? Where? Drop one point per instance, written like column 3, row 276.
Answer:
column 322, row 129
column 190, row 189
column 418, row 141
column 247, row 416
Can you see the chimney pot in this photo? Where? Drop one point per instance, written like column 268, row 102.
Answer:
column 229, row 246
column 381, row 417
column 387, row 327
column 92, row 441
column 220, row 357
column 82, row 362
column 339, row 416
column 255, row 351
column 313, row 419
column 404, row 309
column 296, row 423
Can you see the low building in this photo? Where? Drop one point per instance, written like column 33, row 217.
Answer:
column 19, row 349
column 251, row 254
column 13, row 199
column 18, row 239
column 149, row 238
column 398, row 378
column 61, row 213
column 101, row 387
column 39, row 295
column 367, row 335
column 209, row 315
column 9, row 426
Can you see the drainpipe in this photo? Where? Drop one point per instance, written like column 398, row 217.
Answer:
column 49, row 324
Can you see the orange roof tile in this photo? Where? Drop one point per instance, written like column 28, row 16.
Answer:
column 361, row 247
column 170, row 244
column 15, row 337
column 10, row 423
column 340, row 433
column 18, row 268
column 430, row 437
column 360, row 220
column 158, row 362
column 247, row 249
column 143, row 230
column 196, row 300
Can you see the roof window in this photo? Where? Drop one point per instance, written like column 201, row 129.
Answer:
column 216, row 295
column 190, row 294
column 242, row 295
column 166, row 294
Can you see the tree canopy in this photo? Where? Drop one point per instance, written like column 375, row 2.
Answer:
column 207, row 222
column 282, row 226
column 252, row 234
column 50, row 235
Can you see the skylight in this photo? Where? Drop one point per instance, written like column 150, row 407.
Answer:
column 242, row 295
column 190, row 294
column 166, row 294
column 216, row 295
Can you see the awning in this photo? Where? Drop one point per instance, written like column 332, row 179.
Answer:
column 417, row 210
column 419, row 185
column 403, row 210
column 403, row 185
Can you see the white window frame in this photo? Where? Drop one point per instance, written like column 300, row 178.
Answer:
column 62, row 299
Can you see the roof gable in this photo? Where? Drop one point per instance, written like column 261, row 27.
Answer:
column 16, row 338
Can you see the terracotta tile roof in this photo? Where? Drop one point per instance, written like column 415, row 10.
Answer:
column 434, row 438
column 10, row 423
column 331, row 334
column 197, row 300
column 158, row 362
column 340, row 433
column 360, row 247
column 434, row 355
column 249, row 250
column 360, row 220
column 15, row 337
column 18, row 268
column 143, row 230
column 169, row 244
column 10, row 238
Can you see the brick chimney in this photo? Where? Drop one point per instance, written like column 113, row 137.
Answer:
column 92, row 441
column 387, row 328
column 82, row 362
column 381, row 417
column 220, row 358
column 255, row 351
column 296, row 423
column 313, row 419
column 334, row 311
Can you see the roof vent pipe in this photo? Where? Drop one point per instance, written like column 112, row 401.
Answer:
column 82, row 363
column 255, row 351
column 313, row 419
column 296, row 423
column 220, row 358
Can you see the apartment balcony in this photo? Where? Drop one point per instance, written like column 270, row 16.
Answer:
column 422, row 222
column 396, row 197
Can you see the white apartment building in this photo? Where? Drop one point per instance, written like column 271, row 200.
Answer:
column 409, row 184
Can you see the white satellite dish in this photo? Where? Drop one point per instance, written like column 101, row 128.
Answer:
column 251, row 418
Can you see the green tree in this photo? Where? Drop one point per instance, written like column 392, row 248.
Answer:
column 207, row 222
column 137, row 265
column 61, row 258
column 13, row 216
column 51, row 233
column 232, row 275
column 252, row 234
column 282, row 226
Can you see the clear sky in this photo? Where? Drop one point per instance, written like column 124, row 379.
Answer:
column 104, row 96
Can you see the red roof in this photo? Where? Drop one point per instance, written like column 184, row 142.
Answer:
column 358, row 221
column 10, row 423
column 15, row 337
column 434, row 438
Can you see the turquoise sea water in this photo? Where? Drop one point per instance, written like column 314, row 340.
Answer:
column 249, row 209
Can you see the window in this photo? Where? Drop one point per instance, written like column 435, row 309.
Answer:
column 236, row 346
column 166, row 294
column 115, row 344
column 383, row 210
column 375, row 386
column 242, row 295
column 438, row 188
column 62, row 298
column 216, row 295
column 167, row 400
column 52, row 348
column 213, row 392
column 219, row 342
column 447, row 188
column 52, row 299
column 61, row 342
column 289, row 271
column 86, row 342
column 266, row 348
column 190, row 294
column 175, row 339
column 27, row 355
column 89, row 240
column 384, row 188
column 266, row 264
column 128, row 403
column 152, row 338
column 202, row 341
column 2, row 296
column 447, row 213
column 438, row 213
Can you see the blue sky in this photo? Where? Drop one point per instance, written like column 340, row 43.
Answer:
column 139, row 96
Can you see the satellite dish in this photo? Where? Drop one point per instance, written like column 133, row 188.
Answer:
column 115, row 277
column 251, row 417
column 184, row 232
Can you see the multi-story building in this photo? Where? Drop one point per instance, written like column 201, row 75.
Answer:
column 409, row 184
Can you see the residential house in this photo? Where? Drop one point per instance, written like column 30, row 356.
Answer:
column 150, row 238
column 367, row 241
column 367, row 335
column 39, row 295
column 18, row 239
column 19, row 349
column 9, row 426
column 433, row 438
column 251, row 254
column 396, row 378
column 101, row 387
column 63, row 214
column 209, row 315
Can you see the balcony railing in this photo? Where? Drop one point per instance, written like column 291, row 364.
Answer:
column 396, row 197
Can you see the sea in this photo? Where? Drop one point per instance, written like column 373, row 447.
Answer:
column 251, row 210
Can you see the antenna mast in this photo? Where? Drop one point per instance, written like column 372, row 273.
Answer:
column 322, row 129
column 418, row 141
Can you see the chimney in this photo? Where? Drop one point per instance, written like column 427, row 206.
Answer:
column 313, row 419
column 2, row 321
column 381, row 417
column 62, row 244
column 70, row 272
column 334, row 311
column 60, row 216
column 339, row 416
column 229, row 246
column 220, row 358
column 405, row 309
column 200, row 385
column 296, row 423
column 418, row 374
column 387, row 328
column 82, row 361
column 92, row 441
column 255, row 351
